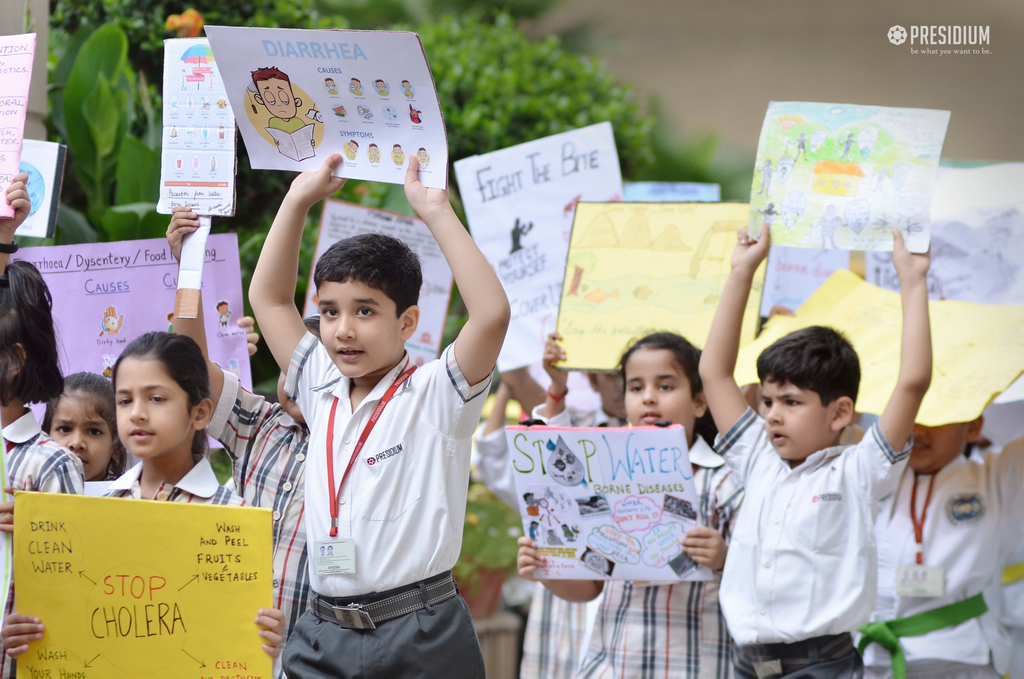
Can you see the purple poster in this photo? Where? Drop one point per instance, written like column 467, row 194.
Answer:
column 107, row 294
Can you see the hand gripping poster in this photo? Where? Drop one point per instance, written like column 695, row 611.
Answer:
column 842, row 176
column 607, row 503
column 301, row 95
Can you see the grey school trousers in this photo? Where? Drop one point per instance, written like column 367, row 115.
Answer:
column 436, row 642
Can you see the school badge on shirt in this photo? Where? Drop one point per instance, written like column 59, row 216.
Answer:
column 963, row 510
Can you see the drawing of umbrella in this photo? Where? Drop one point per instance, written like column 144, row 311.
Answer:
column 198, row 54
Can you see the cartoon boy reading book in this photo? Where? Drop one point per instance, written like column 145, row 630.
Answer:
column 292, row 134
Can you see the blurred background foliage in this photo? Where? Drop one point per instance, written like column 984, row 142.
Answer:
column 497, row 88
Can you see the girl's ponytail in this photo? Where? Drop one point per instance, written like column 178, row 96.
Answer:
column 29, row 368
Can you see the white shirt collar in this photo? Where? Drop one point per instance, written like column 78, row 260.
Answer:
column 338, row 384
column 22, row 429
column 200, row 480
column 704, row 455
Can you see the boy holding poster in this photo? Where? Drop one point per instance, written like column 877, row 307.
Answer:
column 386, row 596
column 802, row 571
column 667, row 629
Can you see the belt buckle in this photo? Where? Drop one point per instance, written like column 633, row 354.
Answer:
column 353, row 617
column 768, row 668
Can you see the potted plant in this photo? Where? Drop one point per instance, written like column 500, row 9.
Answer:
column 489, row 550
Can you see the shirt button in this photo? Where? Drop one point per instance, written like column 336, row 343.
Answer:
column 277, row 516
column 162, row 495
column 347, row 439
column 776, row 521
column 300, row 457
column 342, row 500
column 287, row 486
column 763, row 612
column 767, row 564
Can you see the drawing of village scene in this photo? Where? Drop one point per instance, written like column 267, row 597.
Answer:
column 840, row 176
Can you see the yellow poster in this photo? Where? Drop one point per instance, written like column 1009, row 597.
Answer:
column 131, row 588
column 977, row 349
column 634, row 268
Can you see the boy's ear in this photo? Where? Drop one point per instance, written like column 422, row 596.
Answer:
column 974, row 429
column 259, row 99
column 700, row 404
column 298, row 102
column 841, row 413
column 409, row 319
column 202, row 413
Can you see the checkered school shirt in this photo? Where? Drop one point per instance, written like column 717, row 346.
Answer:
column 677, row 629
column 199, row 486
column 269, row 471
column 34, row 461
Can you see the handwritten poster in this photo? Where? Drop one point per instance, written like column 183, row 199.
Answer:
column 197, row 163
column 16, row 56
column 676, row 192
column 107, row 294
column 793, row 274
column 520, row 203
column 977, row 245
column 171, row 592
column 300, row 95
column 634, row 268
column 43, row 162
column 977, row 349
column 343, row 220
column 607, row 503
column 842, row 176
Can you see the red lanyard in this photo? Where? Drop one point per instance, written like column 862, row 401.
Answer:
column 374, row 416
column 919, row 523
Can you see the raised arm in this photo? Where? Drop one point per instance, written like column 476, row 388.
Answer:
column 897, row 420
column 17, row 197
column 718, row 360
column 480, row 339
column 272, row 290
column 184, row 222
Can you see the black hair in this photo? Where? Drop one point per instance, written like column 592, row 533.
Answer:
column 31, row 373
column 815, row 358
column 376, row 260
column 688, row 358
column 183, row 360
column 101, row 395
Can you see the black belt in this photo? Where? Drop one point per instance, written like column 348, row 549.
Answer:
column 369, row 610
column 774, row 660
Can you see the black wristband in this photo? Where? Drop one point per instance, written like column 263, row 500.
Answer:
column 9, row 249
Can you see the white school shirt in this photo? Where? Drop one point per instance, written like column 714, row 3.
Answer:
column 975, row 519
column 404, row 502
column 802, row 561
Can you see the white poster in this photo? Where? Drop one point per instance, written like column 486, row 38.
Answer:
column 197, row 163
column 607, row 503
column 793, row 274
column 520, row 204
column 343, row 220
column 674, row 192
column 43, row 162
column 300, row 95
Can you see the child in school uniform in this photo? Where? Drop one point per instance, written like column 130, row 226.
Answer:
column 268, row 445
column 29, row 373
column 801, row 574
column 943, row 537
column 667, row 629
column 556, row 630
column 388, row 467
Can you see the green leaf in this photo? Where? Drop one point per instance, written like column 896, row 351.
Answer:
column 100, row 110
column 133, row 221
column 138, row 173
column 59, row 78
column 73, row 227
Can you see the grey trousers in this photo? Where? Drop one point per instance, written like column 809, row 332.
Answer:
column 849, row 666
column 436, row 642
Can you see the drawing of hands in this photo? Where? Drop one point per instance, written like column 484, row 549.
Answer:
column 111, row 321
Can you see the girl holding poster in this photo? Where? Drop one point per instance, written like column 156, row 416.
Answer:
column 666, row 629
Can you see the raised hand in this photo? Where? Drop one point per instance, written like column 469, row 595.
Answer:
column 910, row 266
column 183, row 222
column 426, row 202
column 750, row 253
column 309, row 188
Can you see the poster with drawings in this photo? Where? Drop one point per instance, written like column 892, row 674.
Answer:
column 607, row 503
column 301, row 95
column 842, row 176
column 197, row 159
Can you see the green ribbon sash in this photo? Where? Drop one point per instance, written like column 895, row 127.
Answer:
column 887, row 634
